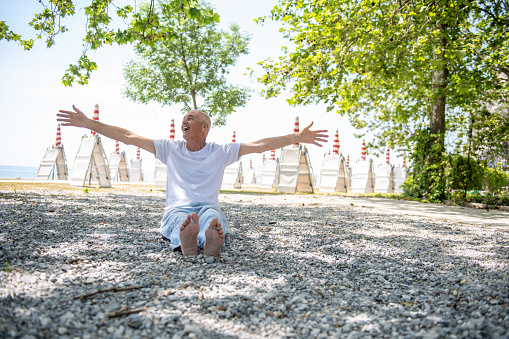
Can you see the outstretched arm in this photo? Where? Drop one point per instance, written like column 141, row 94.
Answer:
column 305, row 136
column 78, row 119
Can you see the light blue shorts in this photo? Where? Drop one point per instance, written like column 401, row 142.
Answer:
column 173, row 219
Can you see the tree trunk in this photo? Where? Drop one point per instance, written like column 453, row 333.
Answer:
column 437, row 106
column 193, row 96
column 438, row 85
column 437, row 114
column 439, row 79
column 434, row 179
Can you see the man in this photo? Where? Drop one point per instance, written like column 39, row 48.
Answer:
column 193, row 219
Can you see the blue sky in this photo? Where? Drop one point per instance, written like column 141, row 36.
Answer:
column 31, row 93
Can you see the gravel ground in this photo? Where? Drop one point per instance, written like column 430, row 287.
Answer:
column 295, row 266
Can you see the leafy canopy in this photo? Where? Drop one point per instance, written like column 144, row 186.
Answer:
column 188, row 67
column 374, row 60
column 143, row 27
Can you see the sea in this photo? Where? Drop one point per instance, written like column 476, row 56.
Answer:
column 18, row 172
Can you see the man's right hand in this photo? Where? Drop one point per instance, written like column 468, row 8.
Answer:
column 78, row 119
column 69, row 118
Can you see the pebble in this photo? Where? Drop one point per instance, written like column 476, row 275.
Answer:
column 294, row 266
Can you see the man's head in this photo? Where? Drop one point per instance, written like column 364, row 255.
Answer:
column 195, row 126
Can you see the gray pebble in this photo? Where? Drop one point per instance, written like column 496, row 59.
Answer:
column 316, row 272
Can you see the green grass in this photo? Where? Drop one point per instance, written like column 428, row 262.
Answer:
column 65, row 187
column 20, row 185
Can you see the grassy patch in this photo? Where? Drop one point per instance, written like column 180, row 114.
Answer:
column 251, row 191
column 19, row 185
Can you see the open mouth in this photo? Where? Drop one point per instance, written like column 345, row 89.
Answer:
column 186, row 128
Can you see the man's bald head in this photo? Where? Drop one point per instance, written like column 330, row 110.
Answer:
column 203, row 117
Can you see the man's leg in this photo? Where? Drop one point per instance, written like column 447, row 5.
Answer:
column 181, row 226
column 190, row 231
column 214, row 239
column 189, row 235
column 213, row 227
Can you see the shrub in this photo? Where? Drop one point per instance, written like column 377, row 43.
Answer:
column 465, row 173
column 495, row 179
column 427, row 178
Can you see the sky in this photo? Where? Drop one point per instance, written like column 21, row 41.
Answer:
column 31, row 93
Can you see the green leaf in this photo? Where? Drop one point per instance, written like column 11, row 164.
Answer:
column 145, row 29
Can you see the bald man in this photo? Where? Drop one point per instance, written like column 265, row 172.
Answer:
column 193, row 219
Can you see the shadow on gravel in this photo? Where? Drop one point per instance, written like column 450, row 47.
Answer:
column 33, row 224
column 286, row 271
column 417, row 268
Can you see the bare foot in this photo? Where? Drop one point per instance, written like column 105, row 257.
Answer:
column 189, row 235
column 214, row 239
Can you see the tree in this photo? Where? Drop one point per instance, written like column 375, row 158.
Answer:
column 397, row 68
column 142, row 27
column 188, row 68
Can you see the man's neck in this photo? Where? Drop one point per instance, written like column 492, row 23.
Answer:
column 195, row 146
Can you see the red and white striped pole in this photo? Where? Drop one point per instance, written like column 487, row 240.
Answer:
column 59, row 137
column 263, row 157
column 363, row 152
column 404, row 159
column 296, row 130
column 138, row 154
column 117, row 147
column 250, row 163
column 387, row 155
column 172, row 130
column 96, row 115
column 233, row 137
column 348, row 160
column 335, row 147
column 273, row 155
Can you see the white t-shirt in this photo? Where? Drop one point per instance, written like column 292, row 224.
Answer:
column 194, row 177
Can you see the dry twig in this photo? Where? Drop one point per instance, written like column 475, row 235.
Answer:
column 111, row 289
column 125, row 311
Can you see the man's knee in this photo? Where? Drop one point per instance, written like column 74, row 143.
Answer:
column 173, row 220
column 211, row 215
